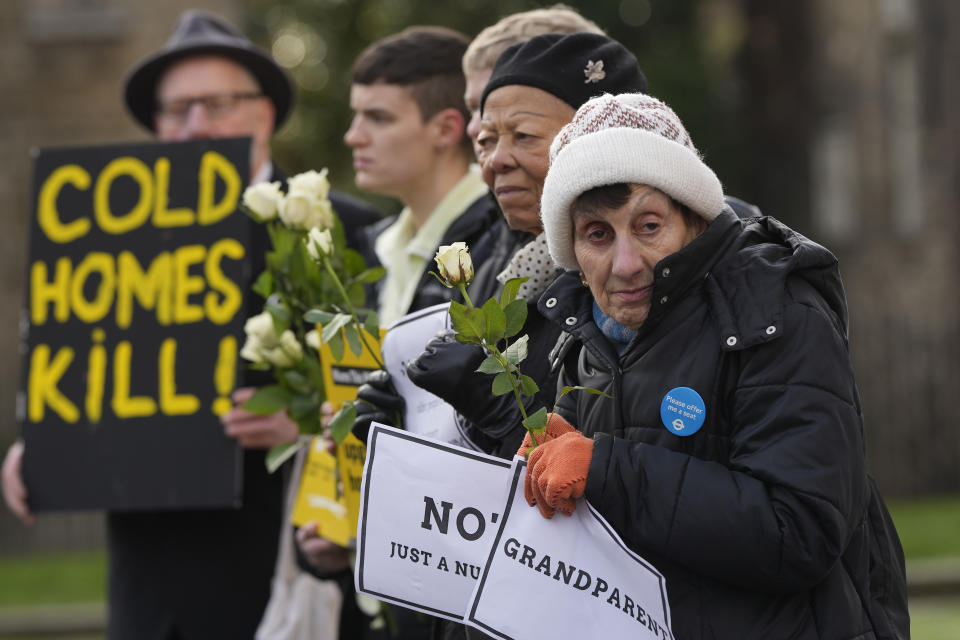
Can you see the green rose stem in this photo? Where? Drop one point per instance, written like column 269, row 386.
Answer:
column 492, row 350
column 398, row 419
column 463, row 290
column 353, row 312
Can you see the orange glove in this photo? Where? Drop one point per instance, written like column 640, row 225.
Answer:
column 556, row 427
column 557, row 473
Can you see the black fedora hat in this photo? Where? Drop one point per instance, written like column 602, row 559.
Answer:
column 200, row 32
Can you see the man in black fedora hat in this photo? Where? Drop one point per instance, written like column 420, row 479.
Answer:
column 209, row 80
column 203, row 574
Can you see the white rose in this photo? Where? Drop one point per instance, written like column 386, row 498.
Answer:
column 319, row 243
column 252, row 350
column 260, row 328
column 296, row 208
column 287, row 353
column 321, row 214
column 368, row 605
column 263, row 199
column 454, row 263
column 313, row 182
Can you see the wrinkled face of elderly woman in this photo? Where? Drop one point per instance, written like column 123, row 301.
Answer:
column 518, row 125
column 620, row 233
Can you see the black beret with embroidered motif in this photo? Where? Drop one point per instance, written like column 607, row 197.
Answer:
column 573, row 67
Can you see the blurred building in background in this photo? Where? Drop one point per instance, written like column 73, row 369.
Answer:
column 840, row 118
column 856, row 143
column 885, row 195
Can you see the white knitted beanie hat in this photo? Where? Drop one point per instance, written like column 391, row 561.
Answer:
column 632, row 138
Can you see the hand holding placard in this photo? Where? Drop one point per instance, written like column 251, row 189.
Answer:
column 447, row 531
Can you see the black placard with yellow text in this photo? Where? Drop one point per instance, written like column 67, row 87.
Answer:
column 137, row 287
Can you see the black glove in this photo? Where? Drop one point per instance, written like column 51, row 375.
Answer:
column 447, row 369
column 377, row 401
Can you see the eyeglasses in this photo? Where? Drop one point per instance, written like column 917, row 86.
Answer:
column 217, row 105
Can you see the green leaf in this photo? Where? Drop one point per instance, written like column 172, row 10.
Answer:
column 468, row 322
column 336, row 346
column 333, row 327
column 491, row 365
column 314, row 369
column 267, row 400
column 516, row 315
column 357, row 294
column 303, row 405
column 279, row 454
column 596, row 392
column 311, row 268
column 275, row 264
column 467, row 339
column 458, row 319
column 372, row 324
column 517, row 352
column 318, row 316
column 371, row 275
column 300, row 263
column 342, row 422
column 264, row 284
column 495, row 321
column 353, row 339
column 536, row 422
column 528, row 386
column 510, row 290
column 339, row 238
column 310, row 423
column 280, row 315
column 297, row 380
column 353, row 263
column 282, row 239
column 501, row 384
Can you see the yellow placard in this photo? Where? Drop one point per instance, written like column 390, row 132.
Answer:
column 329, row 492
column 342, row 379
column 318, row 499
column 350, row 456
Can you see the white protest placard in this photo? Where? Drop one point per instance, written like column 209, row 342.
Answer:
column 425, row 414
column 428, row 516
column 595, row 586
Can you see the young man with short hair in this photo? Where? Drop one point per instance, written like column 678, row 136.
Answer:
column 408, row 142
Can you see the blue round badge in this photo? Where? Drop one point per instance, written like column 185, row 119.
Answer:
column 682, row 411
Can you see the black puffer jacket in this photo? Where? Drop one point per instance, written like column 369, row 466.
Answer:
column 764, row 522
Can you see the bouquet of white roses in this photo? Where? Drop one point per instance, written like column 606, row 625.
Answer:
column 311, row 276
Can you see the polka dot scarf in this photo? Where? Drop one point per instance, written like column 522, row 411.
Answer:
column 533, row 261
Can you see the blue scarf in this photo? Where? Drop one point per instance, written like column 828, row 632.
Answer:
column 615, row 332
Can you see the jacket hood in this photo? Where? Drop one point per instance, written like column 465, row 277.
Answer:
column 747, row 288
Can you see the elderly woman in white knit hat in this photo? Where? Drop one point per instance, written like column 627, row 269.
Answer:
column 731, row 452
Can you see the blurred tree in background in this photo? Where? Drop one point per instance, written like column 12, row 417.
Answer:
column 687, row 48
